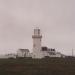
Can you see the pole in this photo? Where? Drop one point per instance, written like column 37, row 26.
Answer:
column 72, row 52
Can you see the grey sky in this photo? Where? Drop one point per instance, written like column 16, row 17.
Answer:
column 55, row 18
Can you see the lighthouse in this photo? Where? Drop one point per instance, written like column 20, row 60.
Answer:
column 37, row 43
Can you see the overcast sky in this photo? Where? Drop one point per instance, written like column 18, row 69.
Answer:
column 55, row 18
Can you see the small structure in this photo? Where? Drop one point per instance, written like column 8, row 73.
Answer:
column 10, row 55
column 23, row 53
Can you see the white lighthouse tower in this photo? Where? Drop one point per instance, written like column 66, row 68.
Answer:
column 37, row 43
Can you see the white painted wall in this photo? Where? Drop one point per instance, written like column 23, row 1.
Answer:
column 37, row 44
column 24, row 53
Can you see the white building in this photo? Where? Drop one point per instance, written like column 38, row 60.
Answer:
column 23, row 53
column 50, row 52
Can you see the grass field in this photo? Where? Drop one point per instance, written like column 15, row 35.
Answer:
column 46, row 66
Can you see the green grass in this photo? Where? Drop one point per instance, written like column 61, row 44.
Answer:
column 46, row 66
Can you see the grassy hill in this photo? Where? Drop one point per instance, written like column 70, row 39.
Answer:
column 46, row 66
